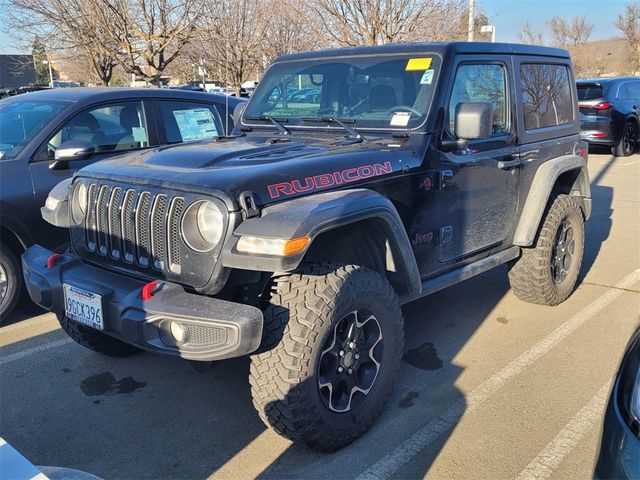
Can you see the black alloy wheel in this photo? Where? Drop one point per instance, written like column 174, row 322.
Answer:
column 350, row 361
column 563, row 251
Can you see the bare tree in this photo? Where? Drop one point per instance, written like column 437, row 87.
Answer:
column 231, row 39
column 530, row 35
column 71, row 30
column 147, row 35
column 629, row 24
column 570, row 33
column 375, row 22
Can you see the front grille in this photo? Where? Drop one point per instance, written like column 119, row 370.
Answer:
column 135, row 226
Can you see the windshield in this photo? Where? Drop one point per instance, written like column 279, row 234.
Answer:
column 21, row 119
column 368, row 91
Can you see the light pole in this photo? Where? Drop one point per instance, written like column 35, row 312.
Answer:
column 471, row 19
column 48, row 62
column 489, row 29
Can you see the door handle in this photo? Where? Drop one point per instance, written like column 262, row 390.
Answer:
column 507, row 164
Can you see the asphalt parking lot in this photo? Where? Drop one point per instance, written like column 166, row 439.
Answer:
column 491, row 387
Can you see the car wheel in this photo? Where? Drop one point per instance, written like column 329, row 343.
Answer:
column 546, row 273
column 328, row 378
column 96, row 340
column 628, row 141
column 10, row 281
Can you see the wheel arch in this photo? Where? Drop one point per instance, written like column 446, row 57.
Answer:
column 566, row 174
column 328, row 219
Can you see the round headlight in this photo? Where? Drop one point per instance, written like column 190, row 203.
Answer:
column 79, row 202
column 202, row 226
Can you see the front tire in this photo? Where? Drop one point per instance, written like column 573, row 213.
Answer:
column 328, row 378
column 546, row 273
column 628, row 141
column 10, row 281
column 96, row 340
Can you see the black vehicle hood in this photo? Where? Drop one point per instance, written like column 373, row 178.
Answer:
column 270, row 168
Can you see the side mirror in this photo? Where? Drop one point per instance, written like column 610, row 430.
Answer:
column 71, row 150
column 474, row 120
column 238, row 111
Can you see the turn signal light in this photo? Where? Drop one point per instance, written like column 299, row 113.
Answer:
column 272, row 246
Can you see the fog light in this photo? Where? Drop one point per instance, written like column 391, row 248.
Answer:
column 177, row 331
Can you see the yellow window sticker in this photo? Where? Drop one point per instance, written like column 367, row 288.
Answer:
column 418, row 64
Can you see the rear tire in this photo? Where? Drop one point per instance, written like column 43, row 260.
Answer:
column 96, row 340
column 546, row 273
column 343, row 328
column 10, row 281
column 628, row 141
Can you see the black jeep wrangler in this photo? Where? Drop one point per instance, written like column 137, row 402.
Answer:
column 357, row 180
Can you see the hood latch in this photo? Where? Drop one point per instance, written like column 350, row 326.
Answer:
column 248, row 204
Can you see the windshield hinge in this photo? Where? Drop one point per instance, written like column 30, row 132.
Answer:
column 248, row 204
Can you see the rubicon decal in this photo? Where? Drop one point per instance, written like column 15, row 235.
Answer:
column 325, row 180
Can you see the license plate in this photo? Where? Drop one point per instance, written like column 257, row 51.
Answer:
column 83, row 306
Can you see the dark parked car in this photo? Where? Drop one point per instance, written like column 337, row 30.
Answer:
column 610, row 113
column 619, row 453
column 46, row 136
column 416, row 167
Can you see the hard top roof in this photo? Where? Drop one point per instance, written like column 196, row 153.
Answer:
column 437, row 47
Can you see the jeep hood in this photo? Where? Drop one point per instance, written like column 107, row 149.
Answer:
column 268, row 167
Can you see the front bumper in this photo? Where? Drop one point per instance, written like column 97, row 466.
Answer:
column 212, row 329
column 619, row 455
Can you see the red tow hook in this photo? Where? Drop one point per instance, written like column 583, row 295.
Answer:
column 51, row 261
column 149, row 290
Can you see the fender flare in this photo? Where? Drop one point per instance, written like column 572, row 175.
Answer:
column 312, row 215
column 541, row 188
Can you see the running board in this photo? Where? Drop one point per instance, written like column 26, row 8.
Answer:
column 461, row 274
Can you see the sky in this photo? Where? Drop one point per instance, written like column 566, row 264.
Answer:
column 508, row 16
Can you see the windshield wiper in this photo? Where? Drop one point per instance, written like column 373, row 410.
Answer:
column 353, row 133
column 281, row 128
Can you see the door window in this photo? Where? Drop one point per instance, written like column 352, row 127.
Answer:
column 110, row 128
column 633, row 91
column 189, row 121
column 546, row 95
column 482, row 83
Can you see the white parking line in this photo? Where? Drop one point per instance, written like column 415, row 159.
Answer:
column 551, row 456
column 407, row 450
column 30, row 351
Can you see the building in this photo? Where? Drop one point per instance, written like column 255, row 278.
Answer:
column 16, row 70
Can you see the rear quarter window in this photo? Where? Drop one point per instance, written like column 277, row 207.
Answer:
column 546, row 95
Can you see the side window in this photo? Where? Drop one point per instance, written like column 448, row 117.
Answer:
column 633, row 91
column 546, row 95
column 189, row 121
column 482, row 83
column 111, row 128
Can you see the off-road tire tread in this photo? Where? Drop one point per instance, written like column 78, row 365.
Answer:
column 529, row 275
column 96, row 340
column 304, row 298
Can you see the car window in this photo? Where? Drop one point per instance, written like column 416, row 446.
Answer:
column 367, row 91
column 481, row 83
column 546, row 95
column 111, row 128
column 21, row 119
column 589, row 91
column 189, row 121
column 633, row 91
